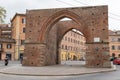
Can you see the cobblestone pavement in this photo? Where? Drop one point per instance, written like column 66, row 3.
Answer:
column 11, row 63
column 66, row 69
column 75, row 77
column 17, row 77
column 97, row 76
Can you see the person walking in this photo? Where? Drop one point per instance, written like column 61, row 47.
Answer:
column 21, row 59
column 6, row 61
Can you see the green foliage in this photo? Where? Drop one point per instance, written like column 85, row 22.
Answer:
column 2, row 14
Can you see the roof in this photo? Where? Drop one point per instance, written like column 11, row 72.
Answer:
column 114, row 33
column 3, row 25
column 17, row 14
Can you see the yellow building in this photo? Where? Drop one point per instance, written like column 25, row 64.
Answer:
column 7, row 44
column 18, row 33
column 73, row 46
column 114, row 43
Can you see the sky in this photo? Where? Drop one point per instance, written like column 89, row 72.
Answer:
column 20, row 6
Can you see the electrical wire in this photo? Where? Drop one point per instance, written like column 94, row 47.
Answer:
column 114, row 14
column 81, row 2
column 109, row 12
column 87, row 5
column 65, row 3
column 113, row 18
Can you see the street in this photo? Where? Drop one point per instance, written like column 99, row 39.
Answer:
column 114, row 75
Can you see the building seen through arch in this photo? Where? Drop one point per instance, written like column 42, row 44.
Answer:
column 73, row 46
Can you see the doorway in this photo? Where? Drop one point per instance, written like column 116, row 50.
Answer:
column 9, row 56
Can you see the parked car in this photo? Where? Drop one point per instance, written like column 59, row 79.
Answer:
column 116, row 61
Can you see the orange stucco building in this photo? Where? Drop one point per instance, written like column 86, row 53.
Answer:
column 7, row 44
column 114, row 39
column 18, row 33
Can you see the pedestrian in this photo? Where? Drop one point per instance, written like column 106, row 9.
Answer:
column 6, row 61
column 21, row 59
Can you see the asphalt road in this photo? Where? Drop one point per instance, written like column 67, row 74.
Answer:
column 115, row 75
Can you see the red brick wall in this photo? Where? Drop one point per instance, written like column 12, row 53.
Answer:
column 42, row 38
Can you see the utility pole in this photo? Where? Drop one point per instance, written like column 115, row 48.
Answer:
column 19, row 46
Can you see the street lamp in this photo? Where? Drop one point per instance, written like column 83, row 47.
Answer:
column 67, row 55
column 19, row 44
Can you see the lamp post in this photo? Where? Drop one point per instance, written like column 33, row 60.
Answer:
column 66, row 54
column 18, row 45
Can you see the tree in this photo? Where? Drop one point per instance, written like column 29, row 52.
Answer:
column 2, row 14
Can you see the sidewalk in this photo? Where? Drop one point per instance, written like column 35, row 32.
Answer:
column 56, row 70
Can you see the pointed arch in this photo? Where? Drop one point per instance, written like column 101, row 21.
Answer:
column 55, row 18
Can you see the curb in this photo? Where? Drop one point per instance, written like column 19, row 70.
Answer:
column 74, row 74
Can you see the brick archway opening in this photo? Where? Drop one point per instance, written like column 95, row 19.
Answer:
column 72, row 46
column 68, row 26
column 58, row 30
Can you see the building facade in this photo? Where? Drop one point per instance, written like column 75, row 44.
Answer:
column 7, row 44
column 18, row 33
column 73, row 46
column 114, row 43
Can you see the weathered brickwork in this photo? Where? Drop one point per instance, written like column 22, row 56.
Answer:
column 43, row 37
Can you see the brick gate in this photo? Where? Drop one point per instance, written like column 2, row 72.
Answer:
column 43, row 36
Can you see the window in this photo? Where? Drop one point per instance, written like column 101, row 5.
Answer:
column 66, row 47
column 23, row 30
column 65, row 38
column 118, row 39
column 112, row 39
column 1, row 46
column 22, row 42
column 74, row 34
column 62, row 46
column 118, row 32
column 9, row 46
column 23, row 20
column 113, row 47
column 71, row 39
column 68, row 39
column 118, row 47
column 113, row 54
column 118, row 55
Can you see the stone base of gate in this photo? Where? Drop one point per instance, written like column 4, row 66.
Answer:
column 37, row 55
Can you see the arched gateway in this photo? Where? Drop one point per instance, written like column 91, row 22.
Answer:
column 43, row 37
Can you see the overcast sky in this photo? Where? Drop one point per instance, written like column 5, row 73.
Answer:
column 20, row 6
